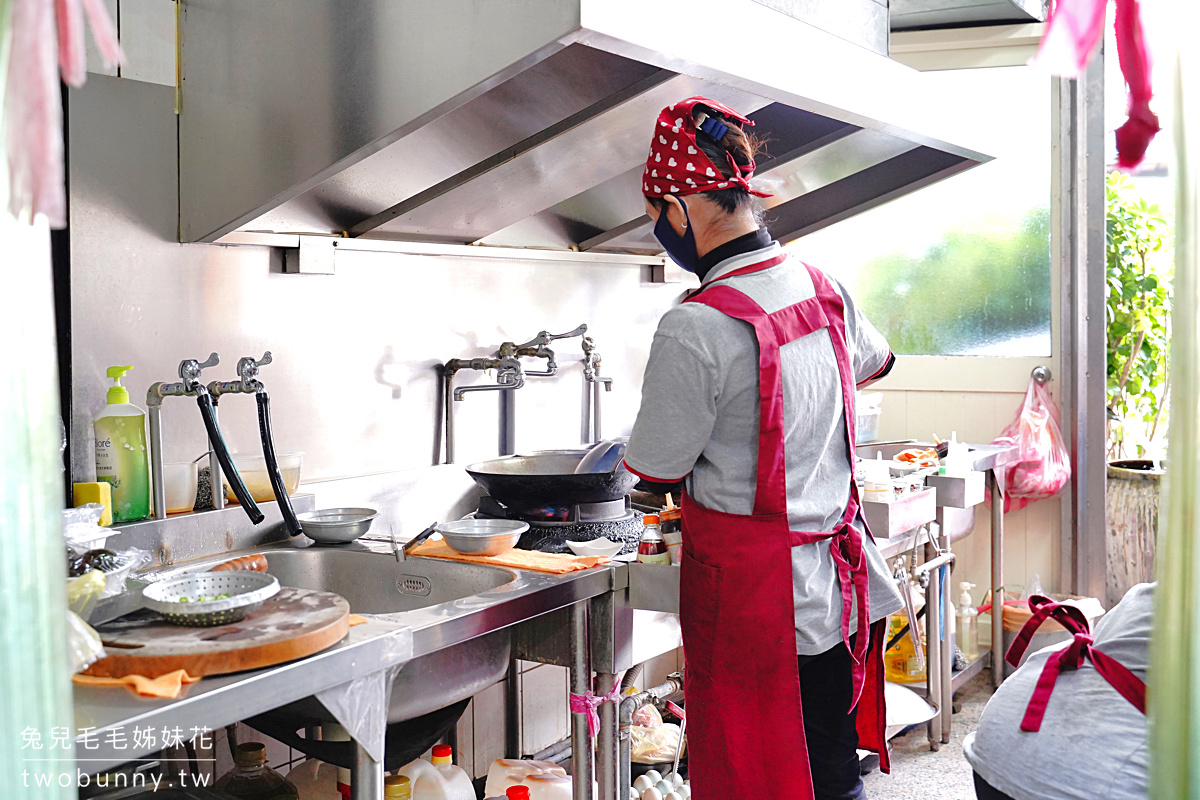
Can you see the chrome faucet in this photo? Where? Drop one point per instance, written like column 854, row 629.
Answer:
column 591, row 374
column 538, row 347
column 189, row 385
column 249, row 383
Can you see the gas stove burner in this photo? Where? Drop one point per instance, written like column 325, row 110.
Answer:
column 608, row 511
column 551, row 528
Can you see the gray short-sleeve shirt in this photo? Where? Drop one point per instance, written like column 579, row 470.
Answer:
column 699, row 419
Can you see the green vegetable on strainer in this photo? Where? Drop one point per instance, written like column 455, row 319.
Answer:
column 202, row 598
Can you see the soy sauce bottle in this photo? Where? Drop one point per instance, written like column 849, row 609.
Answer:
column 652, row 549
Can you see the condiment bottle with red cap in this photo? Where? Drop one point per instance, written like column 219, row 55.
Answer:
column 652, row 549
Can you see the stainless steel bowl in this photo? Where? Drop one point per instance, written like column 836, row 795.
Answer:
column 482, row 537
column 336, row 525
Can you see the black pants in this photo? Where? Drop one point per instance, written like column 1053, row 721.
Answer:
column 985, row 791
column 825, row 692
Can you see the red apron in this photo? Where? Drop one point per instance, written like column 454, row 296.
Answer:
column 745, row 724
column 1071, row 657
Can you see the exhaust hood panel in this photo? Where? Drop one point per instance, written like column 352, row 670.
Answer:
column 543, row 95
column 908, row 15
column 585, row 150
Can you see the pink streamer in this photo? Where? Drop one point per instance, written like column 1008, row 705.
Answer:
column 47, row 41
column 1073, row 31
column 588, row 702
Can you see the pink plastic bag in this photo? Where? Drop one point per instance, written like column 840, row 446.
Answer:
column 1043, row 464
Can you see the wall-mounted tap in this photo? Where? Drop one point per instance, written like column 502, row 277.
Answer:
column 538, row 347
column 509, row 374
column 189, row 385
column 249, row 383
column 591, row 374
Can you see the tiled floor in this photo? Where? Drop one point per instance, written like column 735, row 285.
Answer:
column 921, row 774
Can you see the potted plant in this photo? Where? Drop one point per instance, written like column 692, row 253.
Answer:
column 1138, row 311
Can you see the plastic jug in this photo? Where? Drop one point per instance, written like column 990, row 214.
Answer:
column 544, row 779
column 315, row 780
column 439, row 780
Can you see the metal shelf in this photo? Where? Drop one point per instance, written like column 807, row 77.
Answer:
column 958, row 679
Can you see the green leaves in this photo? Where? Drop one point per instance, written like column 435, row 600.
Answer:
column 1138, row 268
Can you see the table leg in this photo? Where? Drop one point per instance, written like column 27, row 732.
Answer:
column 606, row 741
column 366, row 778
column 997, row 578
column 933, row 648
column 581, row 680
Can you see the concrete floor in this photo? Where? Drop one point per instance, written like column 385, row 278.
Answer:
column 921, row 774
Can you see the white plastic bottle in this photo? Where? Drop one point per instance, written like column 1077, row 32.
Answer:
column 967, row 617
column 439, row 780
column 121, row 458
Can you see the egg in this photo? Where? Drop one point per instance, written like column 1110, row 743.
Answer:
column 654, row 775
column 674, row 778
column 652, row 794
column 664, row 787
column 684, row 791
column 634, row 794
column 672, row 796
column 642, row 783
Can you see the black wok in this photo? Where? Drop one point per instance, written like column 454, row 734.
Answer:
column 547, row 480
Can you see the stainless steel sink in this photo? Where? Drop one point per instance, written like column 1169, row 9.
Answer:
column 374, row 582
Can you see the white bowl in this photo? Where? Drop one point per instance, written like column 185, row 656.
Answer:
column 596, row 547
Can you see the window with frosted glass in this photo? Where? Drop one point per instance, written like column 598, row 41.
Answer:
column 961, row 267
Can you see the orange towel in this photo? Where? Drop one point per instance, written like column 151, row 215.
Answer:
column 554, row 563
column 355, row 619
column 164, row 686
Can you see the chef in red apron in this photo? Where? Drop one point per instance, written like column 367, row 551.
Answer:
column 748, row 399
column 1070, row 723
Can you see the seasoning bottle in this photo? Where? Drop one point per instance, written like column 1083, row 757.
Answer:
column 252, row 779
column 670, row 520
column 877, row 480
column 397, row 787
column 652, row 549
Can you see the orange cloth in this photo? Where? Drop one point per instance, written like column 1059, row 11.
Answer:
column 554, row 563
column 355, row 619
column 164, row 686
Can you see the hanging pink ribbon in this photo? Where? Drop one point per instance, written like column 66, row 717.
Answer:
column 588, row 702
column 1073, row 31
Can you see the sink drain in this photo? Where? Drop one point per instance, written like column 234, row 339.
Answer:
column 414, row 584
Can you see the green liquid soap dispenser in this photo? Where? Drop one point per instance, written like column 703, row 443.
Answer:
column 121, row 458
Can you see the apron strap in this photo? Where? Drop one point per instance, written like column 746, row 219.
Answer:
column 1128, row 685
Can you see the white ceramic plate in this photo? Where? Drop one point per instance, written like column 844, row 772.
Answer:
column 596, row 547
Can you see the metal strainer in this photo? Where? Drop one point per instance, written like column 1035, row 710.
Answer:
column 176, row 598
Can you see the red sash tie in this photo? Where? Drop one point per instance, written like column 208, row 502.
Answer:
column 1071, row 657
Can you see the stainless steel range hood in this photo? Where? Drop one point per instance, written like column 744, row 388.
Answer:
column 522, row 122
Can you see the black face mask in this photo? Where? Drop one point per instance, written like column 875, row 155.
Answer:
column 681, row 249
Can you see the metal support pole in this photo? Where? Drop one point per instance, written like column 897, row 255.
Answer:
column 214, row 466
column 157, row 480
column 997, row 578
column 581, row 681
column 1078, row 248
column 508, row 422
column 366, row 778
column 512, row 710
column 448, row 424
column 597, row 436
column 607, row 774
column 933, row 649
column 947, row 701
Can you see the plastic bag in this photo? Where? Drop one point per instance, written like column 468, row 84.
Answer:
column 81, row 527
column 83, row 643
column 1043, row 464
column 654, row 745
column 647, row 717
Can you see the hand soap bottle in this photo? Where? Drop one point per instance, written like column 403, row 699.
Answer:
column 121, row 452
column 967, row 628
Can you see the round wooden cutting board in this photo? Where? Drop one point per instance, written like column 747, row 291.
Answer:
column 293, row 624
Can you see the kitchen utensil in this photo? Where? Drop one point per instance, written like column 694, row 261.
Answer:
column 293, row 624
column 548, row 479
column 402, row 552
column 337, row 525
column 257, row 477
column 596, row 547
column 180, row 479
column 603, row 457
column 177, row 598
column 482, row 537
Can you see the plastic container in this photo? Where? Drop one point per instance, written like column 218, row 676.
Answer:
column 438, row 779
column 397, row 787
column 652, row 549
column 966, row 618
column 180, row 479
column 252, row 779
column 867, row 410
column 315, row 780
column 506, row 774
column 253, row 469
column 121, row 452
column 877, row 480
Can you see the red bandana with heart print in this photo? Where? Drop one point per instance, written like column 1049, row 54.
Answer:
column 677, row 166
